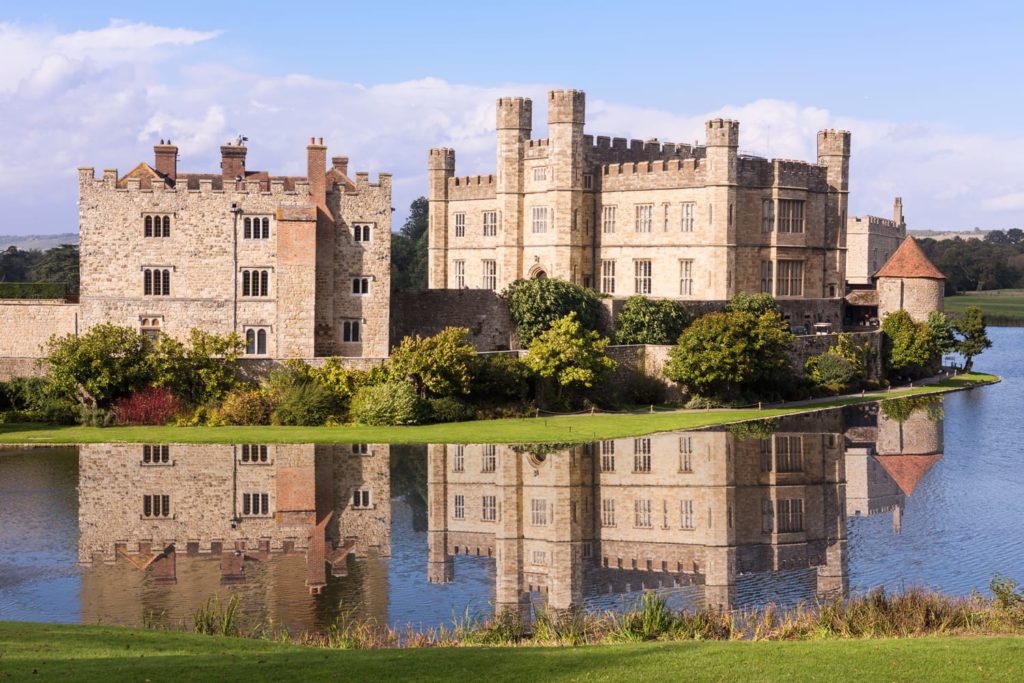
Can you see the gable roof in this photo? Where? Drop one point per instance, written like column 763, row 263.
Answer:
column 907, row 470
column 909, row 261
column 144, row 172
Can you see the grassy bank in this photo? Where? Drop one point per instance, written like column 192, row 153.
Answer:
column 43, row 652
column 1000, row 306
column 568, row 428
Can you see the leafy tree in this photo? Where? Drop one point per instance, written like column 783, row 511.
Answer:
column 941, row 331
column 908, row 346
column 723, row 354
column 973, row 336
column 650, row 321
column 1015, row 235
column 59, row 264
column 829, row 370
column 202, row 370
column 570, row 356
column 498, row 378
column 409, row 249
column 755, row 304
column 15, row 264
column 441, row 365
column 101, row 365
column 535, row 305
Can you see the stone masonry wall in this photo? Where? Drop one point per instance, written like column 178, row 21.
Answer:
column 427, row 312
column 25, row 327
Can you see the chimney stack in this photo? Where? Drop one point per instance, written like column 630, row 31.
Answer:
column 166, row 159
column 316, row 173
column 340, row 165
column 232, row 162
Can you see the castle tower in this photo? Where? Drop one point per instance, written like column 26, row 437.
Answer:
column 834, row 153
column 514, row 123
column 723, row 139
column 566, row 117
column 440, row 167
column 440, row 567
column 910, row 281
column 897, row 212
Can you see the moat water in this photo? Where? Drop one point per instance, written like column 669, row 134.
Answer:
column 897, row 494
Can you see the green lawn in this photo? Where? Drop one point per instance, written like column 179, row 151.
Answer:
column 1000, row 306
column 43, row 652
column 575, row 428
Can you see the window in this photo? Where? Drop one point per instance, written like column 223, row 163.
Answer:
column 459, row 460
column 767, row 516
column 766, row 277
column 540, row 173
column 256, row 228
column 588, row 181
column 490, row 274
column 540, row 219
column 150, row 327
column 361, row 232
column 350, row 331
column 459, row 507
column 256, row 341
column 361, row 499
column 159, row 454
column 490, row 458
column 608, row 219
column 460, row 224
column 791, row 215
column 608, row 512
column 789, row 456
column 642, row 276
column 489, row 509
column 642, row 514
column 156, row 282
column 538, row 512
column 791, row 278
column 361, row 449
column 255, row 504
column 360, row 286
column 686, row 514
column 607, row 456
column 790, row 515
column 459, row 271
column 644, row 214
column 539, row 557
column 255, row 282
column 608, row 277
column 156, row 226
column 490, row 223
column 642, row 455
column 665, row 219
column 253, row 453
column 766, row 455
column 689, row 210
column 156, row 505
column 686, row 277
column 685, row 453
column 767, row 215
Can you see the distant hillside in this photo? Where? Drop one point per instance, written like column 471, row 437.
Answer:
column 40, row 242
column 948, row 234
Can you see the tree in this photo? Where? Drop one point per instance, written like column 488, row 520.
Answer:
column 1015, row 235
column 650, row 321
column 59, row 264
column 409, row 249
column 941, row 331
column 441, row 365
column 755, row 304
column 535, row 305
column 973, row 336
column 908, row 346
column 570, row 356
column 200, row 371
column 101, row 365
column 723, row 354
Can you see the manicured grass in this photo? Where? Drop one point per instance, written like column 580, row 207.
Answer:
column 1000, row 306
column 568, row 428
column 42, row 652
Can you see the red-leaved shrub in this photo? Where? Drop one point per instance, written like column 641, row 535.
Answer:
column 152, row 406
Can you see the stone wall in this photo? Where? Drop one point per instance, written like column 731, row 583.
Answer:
column 427, row 312
column 806, row 346
column 25, row 327
column 918, row 296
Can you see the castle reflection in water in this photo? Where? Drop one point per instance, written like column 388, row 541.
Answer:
column 304, row 532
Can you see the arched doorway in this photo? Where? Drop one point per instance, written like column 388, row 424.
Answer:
column 538, row 272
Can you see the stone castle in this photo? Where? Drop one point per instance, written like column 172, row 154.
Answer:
column 299, row 266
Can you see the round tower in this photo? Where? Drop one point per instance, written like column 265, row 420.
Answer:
column 911, row 282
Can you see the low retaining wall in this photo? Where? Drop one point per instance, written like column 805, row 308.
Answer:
column 426, row 312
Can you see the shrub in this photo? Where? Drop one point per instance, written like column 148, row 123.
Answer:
column 440, row 365
column 448, row 409
column 535, row 305
column 570, row 356
column 34, row 399
column 335, row 377
column 100, row 366
column 94, row 417
column 394, row 403
column 201, row 371
column 499, row 378
column 150, row 406
column 650, row 321
column 245, row 406
column 908, row 346
column 829, row 369
column 755, row 304
column 305, row 404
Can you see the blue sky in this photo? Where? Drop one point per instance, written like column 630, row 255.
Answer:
column 929, row 90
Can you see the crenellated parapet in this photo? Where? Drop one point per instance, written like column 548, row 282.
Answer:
column 472, row 187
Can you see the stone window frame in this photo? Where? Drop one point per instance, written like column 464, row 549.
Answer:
column 254, row 454
column 254, row 276
column 362, row 499
column 607, row 456
column 459, row 506
column 685, row 455
column 608, row 219
column 156, row 280
column 459, row 222
column 156, row 455
column 362, row 449
column 538, row 512
column 643, row 276
column 687, row 216
column 767, row 215
column 255, row 504
column 156, row 224
column 539, row 558
column 256, row 227
column 588, row 181
column 352, row 330
column 488, row 458
column 791, row 216
column 459, row 273
column 607, row 512
column 489, row 274
column 642, row 517
column 664, row 209
column 489, row 221
column 607, row 276
column 789, row 277
column 156, row 506
column 644, row 217
column 539, row 219
column 789, row 515
column 362, row 233
column 489, row 508
column 540, row 174
column 686, row 517
column 459, row 458
column 364, row 286
column 257, row 331
column 686, row 278
column 789, row 453
column 642, row 455
column 151, row 326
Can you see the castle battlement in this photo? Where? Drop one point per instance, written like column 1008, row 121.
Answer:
column 540, row 142
column 472, row 187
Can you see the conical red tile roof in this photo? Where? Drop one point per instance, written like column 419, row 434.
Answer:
column 910, row 261
column 907, row 470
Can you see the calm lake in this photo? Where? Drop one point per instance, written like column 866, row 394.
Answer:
column 897, row 494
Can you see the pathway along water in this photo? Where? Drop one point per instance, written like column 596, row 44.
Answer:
column 910, row 493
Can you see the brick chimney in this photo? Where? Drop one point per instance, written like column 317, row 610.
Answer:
column 166, row 159
column 340, row 165
column 232, row 161
column 316, row 154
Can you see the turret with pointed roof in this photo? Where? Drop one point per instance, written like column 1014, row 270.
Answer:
column 911, row 282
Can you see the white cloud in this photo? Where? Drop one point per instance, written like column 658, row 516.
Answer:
column 103, row 97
